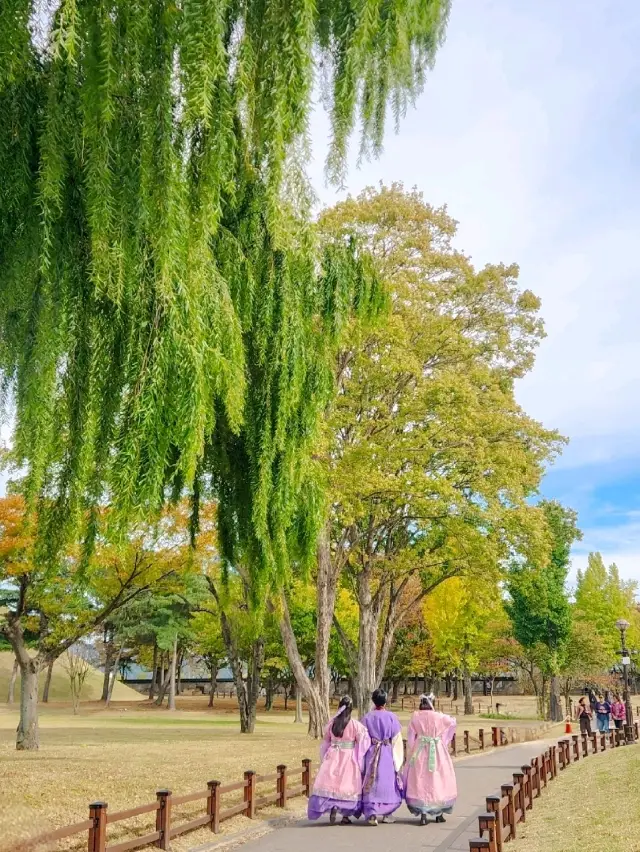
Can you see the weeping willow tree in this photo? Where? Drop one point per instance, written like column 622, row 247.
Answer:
column 164, row 318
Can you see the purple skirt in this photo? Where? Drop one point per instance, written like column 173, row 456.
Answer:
column 379, row 808
column 319, row 805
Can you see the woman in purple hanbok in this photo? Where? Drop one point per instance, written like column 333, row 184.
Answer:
column 429, row 778
column 382, row 791
column 338, row 784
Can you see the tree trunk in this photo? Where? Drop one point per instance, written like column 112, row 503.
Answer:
column 108, row 662
column 27, row 735
column 317, row 703
column 247, row 692
column 456, row 687
column 114, row 674
column 214, row 678
column 396, row 687
column 268, row 701
column 154, row 672
column 47, row 682
column 369, row 618
column 164, row 685
column 316, row 691
column 567, row 695
column 179, row 673
column 298, row 720
column 12, row 682
column 468, row 693
column 555, row 704
column 542, row 697
column 172, row 675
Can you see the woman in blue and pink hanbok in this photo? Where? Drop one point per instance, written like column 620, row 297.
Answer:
column 338, row 784
column 429, row 778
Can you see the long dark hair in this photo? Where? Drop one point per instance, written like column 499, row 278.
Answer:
column 342, row 719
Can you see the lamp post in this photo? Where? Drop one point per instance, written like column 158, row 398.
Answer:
column 623, row 625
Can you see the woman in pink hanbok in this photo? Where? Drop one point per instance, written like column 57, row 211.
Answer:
column 338, row 784
column 429, row 778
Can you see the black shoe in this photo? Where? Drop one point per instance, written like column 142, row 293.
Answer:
column 440, row 818
column 332, row 816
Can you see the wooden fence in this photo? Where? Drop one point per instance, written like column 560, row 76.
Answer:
column 284, row 779
column 289, row 783
column 505, row 812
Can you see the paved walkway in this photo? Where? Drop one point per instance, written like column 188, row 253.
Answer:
column 478, row 777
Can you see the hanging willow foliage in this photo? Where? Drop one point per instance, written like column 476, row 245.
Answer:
column 162, row 313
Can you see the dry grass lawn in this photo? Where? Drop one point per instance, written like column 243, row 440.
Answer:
column 595, row 803
column 123, row 757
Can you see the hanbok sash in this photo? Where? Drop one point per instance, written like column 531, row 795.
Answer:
column 424, row 742
column 373, row 772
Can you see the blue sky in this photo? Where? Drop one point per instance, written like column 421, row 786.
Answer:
column 529, row 130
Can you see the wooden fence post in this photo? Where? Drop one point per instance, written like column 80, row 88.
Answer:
column 454, row 748
column 306, row 776
column 494, row 737
column 486, row 824
column 479, row 844
column 213, row 806
column 542, row 770
column 249, row 793
column 282, row 786
column 521, row 799
column 535, row 776
column 576, row 746
column 481, row 738
column 98, row 834
column 163, row 818
column 585, row 744
column 526, row 771
column 467, row 747
column 594, row 741
column 603, row 741
column 493, row 807
column 554, row 761
column 507, row 790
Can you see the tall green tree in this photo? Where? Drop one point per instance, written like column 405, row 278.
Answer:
column 430, row 462
column 539, row 605
column 601, row 598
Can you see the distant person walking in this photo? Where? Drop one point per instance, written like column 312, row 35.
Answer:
column 429, row 778
column 382, row 793
column 338, row 784
column 584, row 716
column 603, row 714
column 618, row 712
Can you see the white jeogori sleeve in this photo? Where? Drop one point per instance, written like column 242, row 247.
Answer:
column 398, row 751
